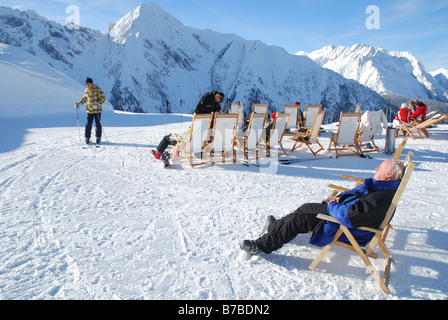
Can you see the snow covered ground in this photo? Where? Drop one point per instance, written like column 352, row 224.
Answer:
column 109, row 223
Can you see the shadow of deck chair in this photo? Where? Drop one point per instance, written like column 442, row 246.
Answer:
column 193, row 145
column 236, row 107
column 293, row 122
column 310, row 114
column 378, row 238
column 261, row 108
column 419, row 131
column 310, row 137
column 338, row 189
column 253, row 135
column 223, row 137
column 346, row 138
column 275, row 137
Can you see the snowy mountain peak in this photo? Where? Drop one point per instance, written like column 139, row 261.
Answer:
column 146, row 19
column 384, row 71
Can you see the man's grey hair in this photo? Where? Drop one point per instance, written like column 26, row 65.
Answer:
column 397, row 167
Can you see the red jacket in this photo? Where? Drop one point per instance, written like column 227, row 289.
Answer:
column 421, row 111
column 403, row 115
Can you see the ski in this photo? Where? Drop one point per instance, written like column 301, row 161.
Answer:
column 246, row 163
column 295, row 160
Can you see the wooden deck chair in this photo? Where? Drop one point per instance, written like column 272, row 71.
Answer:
column 378, row 239
column 277, row 133
column 346, row 138
column 252, row 136
column 338, row 189
column 311, row 137
column 236, row 107
column 223, row 137
column 419, row 131
column 196, row 140
column 261, row 108
column 358, row 108
column 310, row 113
column 293, row 122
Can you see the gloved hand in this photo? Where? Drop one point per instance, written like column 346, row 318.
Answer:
column 96, row 106
column 77, row 104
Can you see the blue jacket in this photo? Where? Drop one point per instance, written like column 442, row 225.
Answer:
column 365, row 205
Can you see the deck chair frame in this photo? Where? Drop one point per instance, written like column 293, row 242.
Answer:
column 371, row 140
column 196, row 141
column 237, row 107
column 419, row 131
column 277, row 131
column 378, row 239
column 310, row 137
column 310, row 114
column 253, row 135
column 223, row 137
column 346, row 139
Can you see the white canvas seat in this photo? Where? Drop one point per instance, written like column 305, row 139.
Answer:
column 192, row 147
column 277, row 132
column 223, row 137
column 345, row 141
column 236, row 107
column 250, row 141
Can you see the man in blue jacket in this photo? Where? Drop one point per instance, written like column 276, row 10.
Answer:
column 363, row 206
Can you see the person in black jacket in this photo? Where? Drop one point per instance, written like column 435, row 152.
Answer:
column 365, row 205
column 210, row 102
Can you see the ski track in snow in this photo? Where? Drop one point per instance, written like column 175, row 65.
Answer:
column 109, row 223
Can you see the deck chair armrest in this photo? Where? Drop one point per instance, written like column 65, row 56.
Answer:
column 333, row 219
column 338, row 188
column 327, row 217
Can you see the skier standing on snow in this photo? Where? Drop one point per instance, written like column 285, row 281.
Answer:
column 94, row 96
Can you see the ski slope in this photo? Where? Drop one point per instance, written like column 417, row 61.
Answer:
column 109, row 223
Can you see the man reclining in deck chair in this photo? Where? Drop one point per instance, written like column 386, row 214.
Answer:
column 366, row 206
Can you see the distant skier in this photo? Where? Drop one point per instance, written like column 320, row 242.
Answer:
column 94, row 96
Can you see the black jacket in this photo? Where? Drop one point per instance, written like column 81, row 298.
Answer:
column 208, row 104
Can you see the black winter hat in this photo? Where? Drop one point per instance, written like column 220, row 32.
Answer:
column 89, row 80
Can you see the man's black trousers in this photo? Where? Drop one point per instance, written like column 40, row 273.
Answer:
column 283, row 230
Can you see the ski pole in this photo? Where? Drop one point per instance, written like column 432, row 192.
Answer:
column 77, row 120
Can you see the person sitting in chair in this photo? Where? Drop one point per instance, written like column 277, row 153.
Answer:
column 366, row 205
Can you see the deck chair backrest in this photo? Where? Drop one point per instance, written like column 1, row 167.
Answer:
column 293, row 117
column 280, row 125
column 224, row 131
column 315, row 129
column 237, row 107
column 429, row 122
column 199, row 132
column 310, row 113
column 261, row 108
column 404, row 181
column 255, row 129
column 348, row 128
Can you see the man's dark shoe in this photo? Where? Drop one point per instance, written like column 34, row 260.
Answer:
column 250, row 246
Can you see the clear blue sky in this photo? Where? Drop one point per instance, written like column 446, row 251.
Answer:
column 418, row 26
